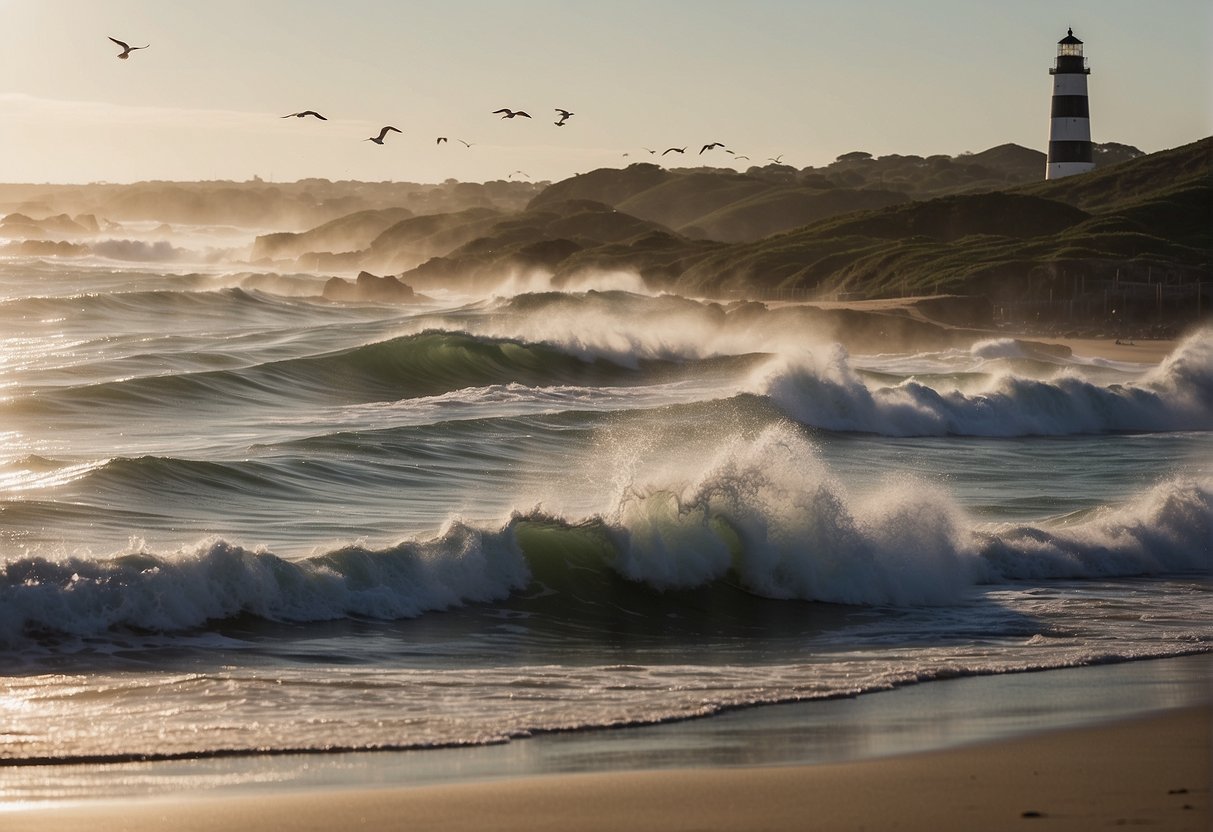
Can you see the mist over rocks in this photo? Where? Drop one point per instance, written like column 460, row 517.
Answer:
column 351, row 232
column 256, row 204
column 160, row 251
column 1093, row 249
column 60, row 225
column 369, row 287
column 44, row 248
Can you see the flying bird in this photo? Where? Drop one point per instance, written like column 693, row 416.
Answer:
column 520, row 173
column 127, row 50
column 776, row 159
column 650, row 151
column 674, row 150
column 565, row 115
column 441, row 139
column 306, row 113
column 382, row 133
column 462, row 142
column 511, row 113
column 710, row 146
column 747, row 158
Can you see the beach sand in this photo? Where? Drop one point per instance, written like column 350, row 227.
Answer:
column 1152, row 770
column 1139, row 352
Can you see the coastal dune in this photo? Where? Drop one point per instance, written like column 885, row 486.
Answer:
column 1153, row 770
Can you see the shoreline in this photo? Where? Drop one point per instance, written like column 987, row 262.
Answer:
column 1124, row 350
column 1151, row 769
column 909, row 722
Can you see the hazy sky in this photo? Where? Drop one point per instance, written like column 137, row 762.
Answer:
column 808, row 79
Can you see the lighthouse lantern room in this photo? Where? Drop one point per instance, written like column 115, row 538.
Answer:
column 1070, row 149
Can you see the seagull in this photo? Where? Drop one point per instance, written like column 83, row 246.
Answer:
column 520, row 173
column 382, row 133
column 462, row 142
column 747, row 158
column 650, row 151
column 441, row 139
column 511, row 113
column 776, row 159
column 127, row 50
column 565, row 115
column 710, row 146
column 306, row 113
column 674, row 150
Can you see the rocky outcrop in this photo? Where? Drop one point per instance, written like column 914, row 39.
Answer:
column 369, row 287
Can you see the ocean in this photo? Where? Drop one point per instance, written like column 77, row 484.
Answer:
column 238, row 520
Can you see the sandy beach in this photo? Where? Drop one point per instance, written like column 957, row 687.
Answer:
column 1139, row 352
column 1152, row 770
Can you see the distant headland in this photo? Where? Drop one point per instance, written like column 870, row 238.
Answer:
column 1126, row 246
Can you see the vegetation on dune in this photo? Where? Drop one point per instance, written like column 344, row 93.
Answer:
column 861, row 227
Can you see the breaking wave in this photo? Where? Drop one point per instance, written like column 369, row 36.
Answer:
column 824, row 390
column 764, row 520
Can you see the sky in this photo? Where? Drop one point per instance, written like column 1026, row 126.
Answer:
column 804, row 80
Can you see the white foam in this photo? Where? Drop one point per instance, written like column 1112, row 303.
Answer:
column 1168, row 529
column 219, row 580
column 822, row 389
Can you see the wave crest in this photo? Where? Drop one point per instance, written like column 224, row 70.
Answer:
column 219, row 581
column 763, row 519
column 823, row 390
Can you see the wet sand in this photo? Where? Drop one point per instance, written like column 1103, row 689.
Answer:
column 1152, row 770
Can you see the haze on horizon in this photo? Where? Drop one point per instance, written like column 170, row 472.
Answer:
column 806, row 81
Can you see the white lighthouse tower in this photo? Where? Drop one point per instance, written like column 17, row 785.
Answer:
column 1070, row 148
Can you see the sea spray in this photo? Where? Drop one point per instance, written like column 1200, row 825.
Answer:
column 770, row 509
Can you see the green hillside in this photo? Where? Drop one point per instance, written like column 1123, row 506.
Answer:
column 1143, row 221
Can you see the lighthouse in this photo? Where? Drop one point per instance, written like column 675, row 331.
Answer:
column 1070, row 149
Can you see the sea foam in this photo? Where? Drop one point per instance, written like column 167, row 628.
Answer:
column 823, row 389
column 218, row 580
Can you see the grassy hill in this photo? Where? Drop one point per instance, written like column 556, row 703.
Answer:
column 1091, row 242
column 1145, row 220
column 1135, row 234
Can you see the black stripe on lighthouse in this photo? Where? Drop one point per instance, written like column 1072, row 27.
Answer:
column 1071, row 106
column 1064, row 151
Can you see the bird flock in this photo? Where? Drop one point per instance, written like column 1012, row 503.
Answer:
column 505, row 113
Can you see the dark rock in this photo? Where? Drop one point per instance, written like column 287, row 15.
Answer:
column 369, row 287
